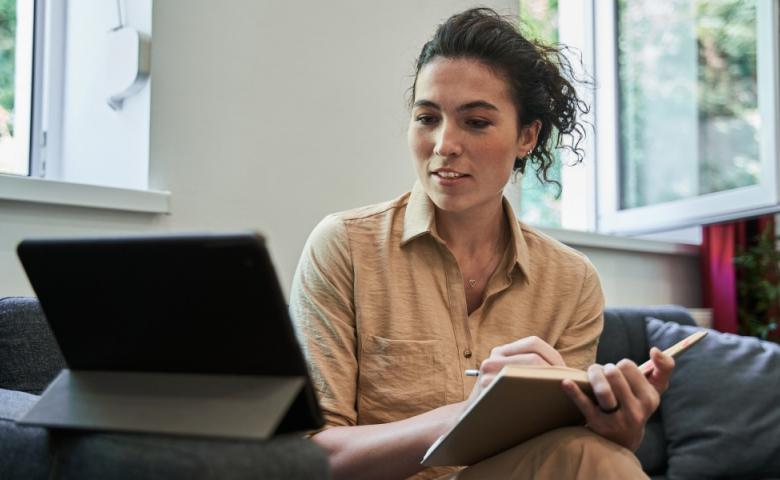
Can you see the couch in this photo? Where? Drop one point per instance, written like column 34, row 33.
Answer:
column 30, row 359
column 720, row 417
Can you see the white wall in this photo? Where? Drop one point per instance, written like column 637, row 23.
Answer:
column 643, row 278
column 269, row 115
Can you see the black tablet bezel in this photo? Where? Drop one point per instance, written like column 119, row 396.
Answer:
column 198, row 303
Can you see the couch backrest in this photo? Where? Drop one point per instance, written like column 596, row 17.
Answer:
column 29, row 355
column 624, row 331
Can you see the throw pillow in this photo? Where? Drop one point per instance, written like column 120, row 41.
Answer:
column 720, row 413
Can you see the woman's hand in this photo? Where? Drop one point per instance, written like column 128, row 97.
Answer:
column 525, row 351
column 625, row 398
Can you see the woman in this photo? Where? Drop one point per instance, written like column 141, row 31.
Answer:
column 394, row 301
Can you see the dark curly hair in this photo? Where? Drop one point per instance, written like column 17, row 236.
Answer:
column 536, row 75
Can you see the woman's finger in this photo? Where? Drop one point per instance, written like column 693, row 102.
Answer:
column 589, row 409
column 639, row 388
column 602, row 390
column 621, row 387
column 486, row 380
column 662, row 371
column 531, row 344
column 495, row 364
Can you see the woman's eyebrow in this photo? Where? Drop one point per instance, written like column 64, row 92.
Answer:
column 465, row 106
column 426, row 103
column 477, row 104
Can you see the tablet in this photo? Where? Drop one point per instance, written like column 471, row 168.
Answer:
column 198, row 307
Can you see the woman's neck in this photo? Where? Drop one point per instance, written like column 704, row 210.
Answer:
column 473, row 233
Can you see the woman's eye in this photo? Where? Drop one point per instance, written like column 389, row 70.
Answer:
column 478, row 123
column 426, row 119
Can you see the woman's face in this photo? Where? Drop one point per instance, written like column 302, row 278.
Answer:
column 464, row 134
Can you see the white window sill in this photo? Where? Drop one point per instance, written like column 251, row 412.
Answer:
column 35, row 190
column 576, row 239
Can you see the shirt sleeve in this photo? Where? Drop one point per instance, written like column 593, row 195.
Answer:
column 323, row 311
column 579, row 341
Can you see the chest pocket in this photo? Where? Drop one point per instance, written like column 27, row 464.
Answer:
column 398, row 379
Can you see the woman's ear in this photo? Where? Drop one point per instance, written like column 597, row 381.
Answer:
column 529, row 135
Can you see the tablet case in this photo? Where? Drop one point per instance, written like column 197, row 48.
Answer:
column 180, row 334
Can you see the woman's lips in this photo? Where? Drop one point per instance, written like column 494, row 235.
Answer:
column 449, row 179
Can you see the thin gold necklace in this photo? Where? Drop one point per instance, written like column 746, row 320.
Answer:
column 491, row 266
column 472, row 282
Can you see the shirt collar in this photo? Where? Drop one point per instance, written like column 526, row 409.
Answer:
column 419, row 216
column 419, row 219
column 521, row 257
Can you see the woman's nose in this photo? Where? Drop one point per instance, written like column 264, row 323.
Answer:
column 448, row 143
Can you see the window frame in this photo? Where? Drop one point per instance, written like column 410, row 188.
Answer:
column 578, row 195
column 708, row 208
column 42, row 184
column 23, row 71
column 48, row 73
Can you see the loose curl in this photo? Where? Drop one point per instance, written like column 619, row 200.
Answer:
column 536, row 74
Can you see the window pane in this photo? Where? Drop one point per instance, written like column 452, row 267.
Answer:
column 14, row 108
column 689, row 117
column 539, row 204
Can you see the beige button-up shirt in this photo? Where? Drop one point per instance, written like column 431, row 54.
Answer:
column 379, row 303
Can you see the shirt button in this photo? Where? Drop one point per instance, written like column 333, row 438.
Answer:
column 467, row 353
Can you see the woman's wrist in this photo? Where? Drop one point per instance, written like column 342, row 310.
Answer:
column 450, row 415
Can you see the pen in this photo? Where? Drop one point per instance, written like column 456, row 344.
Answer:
column 679, row 347
column 647, row 367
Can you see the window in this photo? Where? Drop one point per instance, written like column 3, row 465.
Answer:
column 688, row 133
column 75, row 109
column 696, row 85
column 16, row 20
column 540, row 204
column 685, row 113
column 83, row 138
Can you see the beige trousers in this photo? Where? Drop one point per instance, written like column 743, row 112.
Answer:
column 565, row 453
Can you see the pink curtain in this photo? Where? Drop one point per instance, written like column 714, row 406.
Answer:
column 720, row 243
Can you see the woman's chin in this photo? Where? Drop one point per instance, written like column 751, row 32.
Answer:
column 445, row 202
column 465, row 204
column 451, row 203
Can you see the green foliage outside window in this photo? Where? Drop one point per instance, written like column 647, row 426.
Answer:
column 540, row 205
column 728, row 88
column 758, row 288
column 7, row 63
column 687, row 77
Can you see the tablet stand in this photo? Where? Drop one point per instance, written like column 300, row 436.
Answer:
column 229, row 406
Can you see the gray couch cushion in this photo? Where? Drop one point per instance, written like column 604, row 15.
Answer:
column 652, row 452
column 24, row 451
column 29, row 355
column 721, row 414
column 624, row 336
column 31, row 453
column 129, row 457
column 29, row 360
